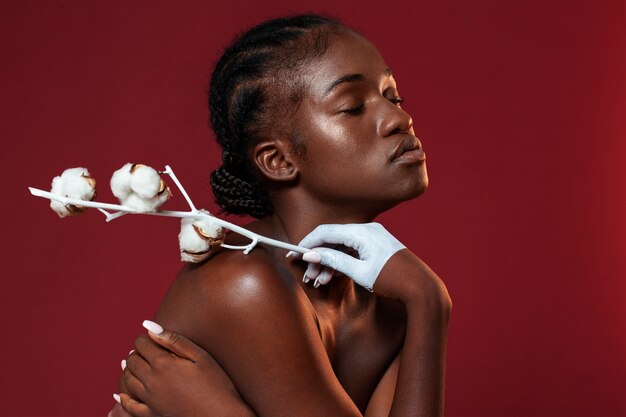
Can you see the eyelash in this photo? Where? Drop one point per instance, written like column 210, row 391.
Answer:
column 355, row 110
column 359, row 108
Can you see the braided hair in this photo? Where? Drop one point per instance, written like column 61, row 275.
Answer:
column 252, row 84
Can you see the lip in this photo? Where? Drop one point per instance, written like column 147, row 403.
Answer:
column 408, row 151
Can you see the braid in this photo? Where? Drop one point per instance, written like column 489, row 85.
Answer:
column 242, row 108
column 238, row 196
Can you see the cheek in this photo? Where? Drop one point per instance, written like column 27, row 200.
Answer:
column 342, row 138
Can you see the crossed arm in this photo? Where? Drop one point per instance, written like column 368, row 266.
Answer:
column 273, row 353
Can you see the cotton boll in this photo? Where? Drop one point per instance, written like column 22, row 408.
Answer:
column 78, row 184
column 145, row 181
column 140, row 187
column 142, row 205
column 120, row 182
column 164, row 194
column 73, row 183
column 58, row 207
column 192, row 248
column 199, row 239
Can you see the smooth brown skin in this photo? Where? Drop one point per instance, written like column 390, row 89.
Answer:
column 288, row 348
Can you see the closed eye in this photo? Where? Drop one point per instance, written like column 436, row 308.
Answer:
column 354, row 111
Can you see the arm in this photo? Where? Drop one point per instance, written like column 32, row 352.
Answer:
column 390, row 270
column 382, row 397
column 420, row 383
column 257, row 323
column 253, row 301
column 414, row 383
column 200, row 380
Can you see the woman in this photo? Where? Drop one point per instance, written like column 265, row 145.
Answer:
column 308, row 115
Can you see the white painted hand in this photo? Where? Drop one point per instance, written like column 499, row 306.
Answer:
column 374, row 244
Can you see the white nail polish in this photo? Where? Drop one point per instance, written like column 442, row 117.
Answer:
column 131, row 352
column 305, row 279
column 290, row 253
column 152, row 327
column 312, row 256
column 123, row 364
column 117, row 398
column 316, row 283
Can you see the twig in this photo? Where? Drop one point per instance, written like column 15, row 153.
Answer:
column 121, row 210
column 170, row 172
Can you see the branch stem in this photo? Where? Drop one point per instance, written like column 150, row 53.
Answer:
column 170, row 172
column 121, row 210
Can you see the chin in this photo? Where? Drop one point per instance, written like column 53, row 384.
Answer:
column 410, row 191
column 419, row 190
column 418, row 184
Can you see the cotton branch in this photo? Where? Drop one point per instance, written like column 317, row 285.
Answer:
column 200, row 220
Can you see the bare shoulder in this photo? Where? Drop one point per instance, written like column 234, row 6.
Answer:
column 255, row 320
column 237, row 275
column 227, row 287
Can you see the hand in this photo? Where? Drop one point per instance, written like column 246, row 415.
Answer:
column 374, row 245
column 382, row 260
column 170, row 375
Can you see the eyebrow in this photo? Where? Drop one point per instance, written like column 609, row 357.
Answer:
column 350, row 78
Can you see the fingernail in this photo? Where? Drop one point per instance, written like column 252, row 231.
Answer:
column 290, row 253
column 316, row 283
column 123, row 364
column 117, row 398
column 305, row 279
column 131, row 352
column 312, row 256
column 152, row 327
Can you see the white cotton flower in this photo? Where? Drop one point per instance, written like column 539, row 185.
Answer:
column 140, row 187
column 73, row 183
column 199, row 238
column 120, row 182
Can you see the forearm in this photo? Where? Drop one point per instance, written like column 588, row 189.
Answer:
column 420, row 383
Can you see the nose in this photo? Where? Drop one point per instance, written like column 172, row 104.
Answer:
column 394, row 120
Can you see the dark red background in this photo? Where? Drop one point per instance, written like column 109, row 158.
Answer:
column 520, row 106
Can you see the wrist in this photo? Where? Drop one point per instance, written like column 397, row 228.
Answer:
column 409, row 280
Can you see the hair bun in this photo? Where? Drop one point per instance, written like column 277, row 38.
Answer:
column 231, row 159
column 237, row 195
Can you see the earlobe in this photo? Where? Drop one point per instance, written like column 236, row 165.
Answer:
column 274, row 160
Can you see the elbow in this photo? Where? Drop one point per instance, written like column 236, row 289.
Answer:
column 443, row 304
column 438, row 303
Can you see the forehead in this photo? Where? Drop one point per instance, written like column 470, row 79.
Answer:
column 348, row 53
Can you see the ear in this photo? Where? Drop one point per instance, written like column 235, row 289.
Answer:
column 275, row 159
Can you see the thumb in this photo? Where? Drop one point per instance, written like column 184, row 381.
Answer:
column 132, row 408
column 174, row 342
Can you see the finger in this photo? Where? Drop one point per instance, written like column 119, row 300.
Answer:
column 312, row 271
column 138, row 366
column 118, row 411
column 177, row 344
column 121, row 383
column 148, row 349
column 324, row 277
column 134, row 386
column 135, row 408
column 293, row 254
column 339, row 261
column 344, row 234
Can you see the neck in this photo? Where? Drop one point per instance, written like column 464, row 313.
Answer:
column 292, row 221
column 294, row 218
